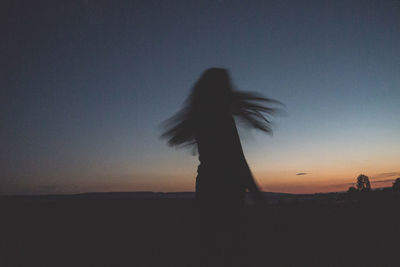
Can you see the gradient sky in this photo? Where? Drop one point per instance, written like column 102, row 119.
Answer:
column 86, row 84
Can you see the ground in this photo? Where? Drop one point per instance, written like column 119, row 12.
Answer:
column 322, row 230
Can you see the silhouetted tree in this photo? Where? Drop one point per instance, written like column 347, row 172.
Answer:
column 396, row 185
column 363, row 183
column 352, row 189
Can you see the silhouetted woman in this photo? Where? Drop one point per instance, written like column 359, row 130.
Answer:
column 206, row 122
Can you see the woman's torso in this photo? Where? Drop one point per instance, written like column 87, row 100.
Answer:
column 220, row 173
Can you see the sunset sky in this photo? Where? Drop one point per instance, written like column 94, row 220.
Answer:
column 85, row 86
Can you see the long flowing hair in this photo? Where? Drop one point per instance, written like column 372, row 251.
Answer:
column 212, row 96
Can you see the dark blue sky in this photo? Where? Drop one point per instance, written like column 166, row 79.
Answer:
column 85, row 85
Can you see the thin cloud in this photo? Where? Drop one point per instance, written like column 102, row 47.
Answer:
column 48, row 187
column 302, row 173
column 353, row 184
column 385, row 175
column 341, row 185
column 54, row 189
column 383, row 181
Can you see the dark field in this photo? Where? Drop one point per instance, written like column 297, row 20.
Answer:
column 96, row 230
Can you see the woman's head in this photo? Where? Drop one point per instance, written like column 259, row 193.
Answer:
column 214, row 77
column 213, row 98
column 211, row 93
